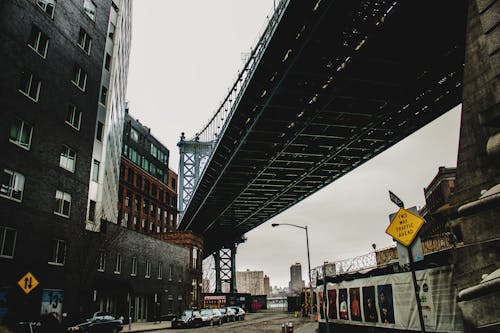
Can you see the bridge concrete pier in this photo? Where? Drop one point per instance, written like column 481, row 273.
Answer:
column 477, row 192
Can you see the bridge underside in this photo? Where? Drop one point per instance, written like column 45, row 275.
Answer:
column 335, row 87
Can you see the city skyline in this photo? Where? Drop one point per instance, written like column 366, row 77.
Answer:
column 187, row 78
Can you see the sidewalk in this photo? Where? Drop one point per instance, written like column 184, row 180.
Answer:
column 145, row 327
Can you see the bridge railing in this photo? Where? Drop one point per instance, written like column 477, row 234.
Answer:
column 216, row 124
column 195, row 153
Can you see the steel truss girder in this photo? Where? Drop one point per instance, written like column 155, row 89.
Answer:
column 193, row 157
column 225, row 268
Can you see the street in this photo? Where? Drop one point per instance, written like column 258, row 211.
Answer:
column 256, row 322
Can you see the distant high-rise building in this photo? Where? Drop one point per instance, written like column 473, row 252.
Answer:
column 206, row 285
column 267, row 286
column 250, row 282
column 296, row 283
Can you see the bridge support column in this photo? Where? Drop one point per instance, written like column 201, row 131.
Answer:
column 225, row 269
column 477, row 189
column 218, row 284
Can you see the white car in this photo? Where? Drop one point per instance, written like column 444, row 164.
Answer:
column 239, row 312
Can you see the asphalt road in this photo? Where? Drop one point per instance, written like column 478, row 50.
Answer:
column 262, row 322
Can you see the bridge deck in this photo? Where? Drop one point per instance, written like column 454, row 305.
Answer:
column 335, row 87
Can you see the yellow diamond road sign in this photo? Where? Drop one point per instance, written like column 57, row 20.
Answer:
column 28, row 282
column 404, row 226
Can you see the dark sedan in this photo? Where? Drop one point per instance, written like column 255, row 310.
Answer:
column 188, row 318
column 99, row 323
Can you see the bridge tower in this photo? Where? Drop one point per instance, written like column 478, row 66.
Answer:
column 193, row 157
column 225, row 268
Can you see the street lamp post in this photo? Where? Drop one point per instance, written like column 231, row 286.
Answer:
column 308, row 263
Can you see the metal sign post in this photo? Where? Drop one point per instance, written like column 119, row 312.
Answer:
column 415, row 287
column 325, row 312
column 404, row 228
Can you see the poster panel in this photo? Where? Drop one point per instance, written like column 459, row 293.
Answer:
column 354, row 304
column 3, row 304
column 369, row 310
column 385, row 303
column 52, row 302
column 343, row 309
column 332, row 303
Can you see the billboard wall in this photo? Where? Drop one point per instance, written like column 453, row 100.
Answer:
column 389, row 301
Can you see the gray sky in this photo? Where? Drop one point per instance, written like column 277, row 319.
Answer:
column 185, row 56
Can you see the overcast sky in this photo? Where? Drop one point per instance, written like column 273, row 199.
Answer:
column 186, row 54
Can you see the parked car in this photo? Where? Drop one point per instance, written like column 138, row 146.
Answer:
column 227, row 314
column 188, row 318
column 216, row 316
column 100, row 322
column 27, row 327
column 207, row 317
column 239, row 312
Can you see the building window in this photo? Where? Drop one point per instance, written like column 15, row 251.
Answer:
column 137, row 208
column 74, row 117
column 146, row 186
column 111, row 32
column 79, row 77
column 99, row 130
column 7, row 242
column 38, row 41
column 145, row 164
column 118, row 264
column 102, row 261
column 12, row 185
column 148, row 269
column 90, row 9
column 67, row 160
column 127, row 200
column 138, row 181
column 58, row 255
column 195, row 257
column 20, row 133
column 92, row 206
column 30, row 85
column 107, row 62
column 134, row 135
column 47, row 6
column 104, row 95
column 84, row 41
column 95, row 171
column 170, row 272
column 63, row 203
column 160, row 271
column 134, row 266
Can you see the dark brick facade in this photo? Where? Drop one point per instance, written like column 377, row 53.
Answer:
column 33, row 218
column 194, row 244
column 123, row 292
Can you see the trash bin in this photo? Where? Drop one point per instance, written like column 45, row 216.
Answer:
column 289, row 327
